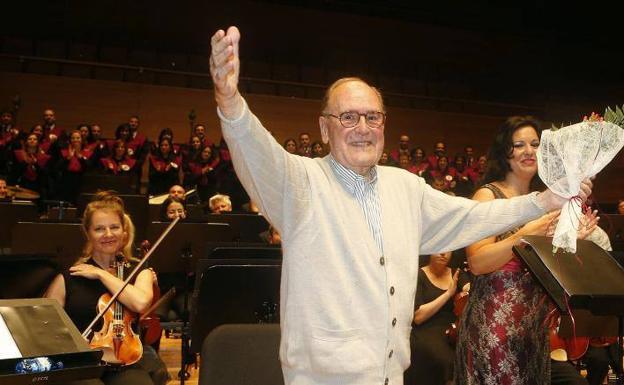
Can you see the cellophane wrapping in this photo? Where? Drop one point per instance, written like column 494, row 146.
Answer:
column 565, row 158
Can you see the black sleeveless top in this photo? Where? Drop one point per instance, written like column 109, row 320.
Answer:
column 81, row 298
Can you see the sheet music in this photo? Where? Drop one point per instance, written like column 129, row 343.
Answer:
column 8, row 347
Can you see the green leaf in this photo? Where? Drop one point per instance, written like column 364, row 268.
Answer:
column 615, row 116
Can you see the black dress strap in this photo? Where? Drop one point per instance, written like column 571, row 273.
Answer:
column 498, row 193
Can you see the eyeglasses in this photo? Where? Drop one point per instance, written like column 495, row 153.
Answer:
column 349, row 119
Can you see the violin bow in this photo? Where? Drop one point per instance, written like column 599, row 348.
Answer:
column 129, row 278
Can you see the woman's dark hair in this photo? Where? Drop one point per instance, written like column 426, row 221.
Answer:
column 447, row 161
column 165, row 206
column 121, row 127
column 116, row 144
column 198, row 155
column 171, row 154
column 501, row 149
column 459, row 156
column 288, row 141
column 415, row 149
column 165, row 131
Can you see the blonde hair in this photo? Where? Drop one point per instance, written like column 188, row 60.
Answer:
column 111, row 202
column 219, row 198
column 330, row 90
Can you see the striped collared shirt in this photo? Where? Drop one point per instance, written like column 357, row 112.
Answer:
column 364, row 189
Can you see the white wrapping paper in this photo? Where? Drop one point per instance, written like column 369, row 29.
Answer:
column 566, row 157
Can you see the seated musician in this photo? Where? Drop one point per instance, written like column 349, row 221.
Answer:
column 172, row 208
column 109, row 233
column 432, row 353
column 4, row 192
column 220, row 203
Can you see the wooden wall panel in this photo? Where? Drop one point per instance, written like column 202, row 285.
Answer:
column 110, row 103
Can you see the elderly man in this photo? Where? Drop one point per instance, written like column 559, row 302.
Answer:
column 351, row 231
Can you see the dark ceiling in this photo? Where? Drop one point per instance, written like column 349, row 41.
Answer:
column 171, row 24
column 526, row 46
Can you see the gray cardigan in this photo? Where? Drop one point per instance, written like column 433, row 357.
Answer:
column 346, row 310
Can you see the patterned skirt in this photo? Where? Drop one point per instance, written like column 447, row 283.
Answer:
column 503, row 337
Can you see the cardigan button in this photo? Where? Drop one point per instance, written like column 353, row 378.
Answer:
column 391, row 290
column 386, row 381
column 390, row 354
column 382, row 261
column 394, row 321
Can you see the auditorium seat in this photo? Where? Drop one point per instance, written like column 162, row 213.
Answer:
column 51, row 49
column 286, row 72
column 198, row 63
column 313, row 74
column 241, row 354
column 256, row 69
column 111, row 55
column 17, row 46
column 390, row 84
column 80, row 52
column 172, row 62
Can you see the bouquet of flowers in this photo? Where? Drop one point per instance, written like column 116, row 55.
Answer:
column 570, row 154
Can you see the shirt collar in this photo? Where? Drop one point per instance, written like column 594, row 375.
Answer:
column 349, row 178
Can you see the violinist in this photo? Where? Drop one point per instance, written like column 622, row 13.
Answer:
column 109, row 232
column 432, row 354
column 173, row 207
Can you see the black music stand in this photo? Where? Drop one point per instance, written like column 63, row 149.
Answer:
column 246, row 227
column 590, row 279
column 178, row 253
column 137, row 206
column 123, row 184
column 11, row 213
column 234, row 291
column 245, row 251
column 26, row 276
column 41, row 328
column 65, row 240
column 184, row 239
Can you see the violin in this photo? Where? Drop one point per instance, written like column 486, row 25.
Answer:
column 117, row 339
column 149, row 323
column 567, row 349
column 459, row 304
column 460, row 299
column 121, row 346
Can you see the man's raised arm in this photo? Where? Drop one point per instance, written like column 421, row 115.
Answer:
column 268, row 173
column 225, row 70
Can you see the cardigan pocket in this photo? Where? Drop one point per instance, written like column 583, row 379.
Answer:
column 341, row 351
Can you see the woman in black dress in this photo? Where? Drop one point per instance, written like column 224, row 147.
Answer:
column 109, row 232
column 432, row 353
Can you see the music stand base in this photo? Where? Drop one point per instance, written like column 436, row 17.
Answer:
column 619, row 377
